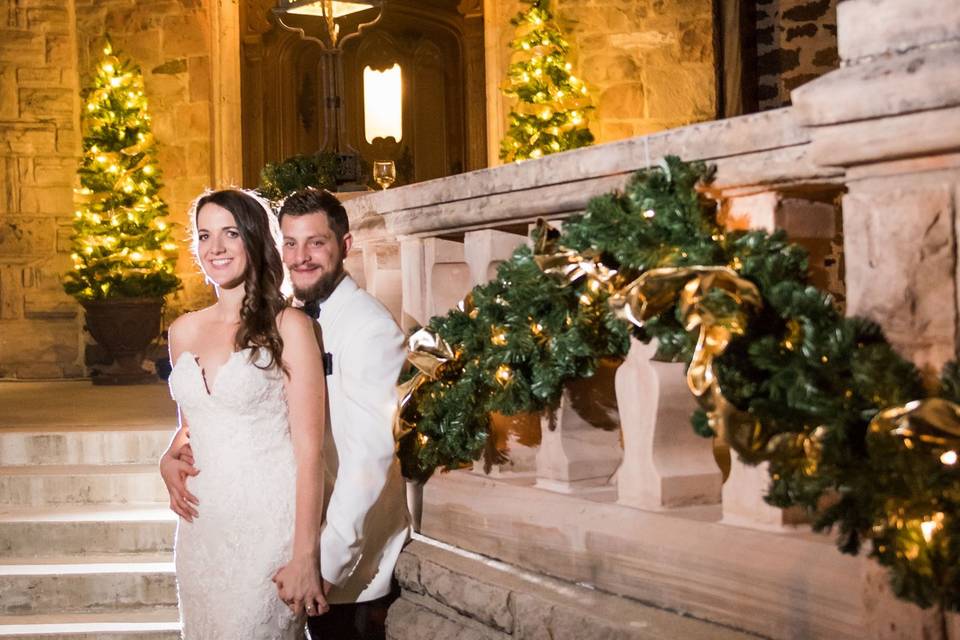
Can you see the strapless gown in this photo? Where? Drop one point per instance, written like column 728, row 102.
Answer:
column 226, row 557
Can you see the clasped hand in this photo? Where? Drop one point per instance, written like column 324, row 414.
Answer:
column 175, row 467
column 300, row 586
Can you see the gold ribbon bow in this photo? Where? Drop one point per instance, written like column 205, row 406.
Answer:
column 568, row 264
column 428, row 352
column 934, row 422
column 657, row 290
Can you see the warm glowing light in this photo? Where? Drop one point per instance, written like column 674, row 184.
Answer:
column 546, row 114
column 499, row 339
column 336, row 7
column 504, row 374
column 148, row 170
column 931, row 526
column 115, row 82
column 383, row 103
column 536, row 153
column 136, row 256
column 594, row 285
column 949, row 457
column 585, row 299
column 536, row 328
column 649, row 213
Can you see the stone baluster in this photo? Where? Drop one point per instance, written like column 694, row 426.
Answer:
column 515, row 437
column 580, row 438
column 811, row 218
column 665, row 464
column 382, row 275
column 434, row 278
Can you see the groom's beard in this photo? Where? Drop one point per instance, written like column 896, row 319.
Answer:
column 322, row 288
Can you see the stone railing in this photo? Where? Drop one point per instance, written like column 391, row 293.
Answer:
column 654, row 520
column 640, row 511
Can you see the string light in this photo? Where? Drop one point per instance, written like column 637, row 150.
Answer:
column 504, row 374
column 949, row 458
column 929, row 527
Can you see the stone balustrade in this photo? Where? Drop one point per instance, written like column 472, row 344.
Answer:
column 868, row 186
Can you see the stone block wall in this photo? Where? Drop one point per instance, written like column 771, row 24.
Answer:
column 39, row 331
column 448, row 593
column 649, row 64
column 47, row 48
column 796, row 43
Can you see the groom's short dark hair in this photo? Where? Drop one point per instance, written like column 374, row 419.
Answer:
column 310, row 200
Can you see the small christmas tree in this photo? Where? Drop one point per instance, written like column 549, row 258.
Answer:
column 121, row 243
column 552, row 107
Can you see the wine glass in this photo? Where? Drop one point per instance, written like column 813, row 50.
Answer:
column 384, row 173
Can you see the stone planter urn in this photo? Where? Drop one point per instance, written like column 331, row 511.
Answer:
column 125, row 327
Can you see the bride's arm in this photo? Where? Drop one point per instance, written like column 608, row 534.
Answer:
column 305, row 384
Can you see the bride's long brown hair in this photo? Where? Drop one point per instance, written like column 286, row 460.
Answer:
column 262, row 298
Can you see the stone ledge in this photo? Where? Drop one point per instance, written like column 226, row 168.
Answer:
column 582, row 169
column 914, row 81
column 539, row 607
column 873, row 27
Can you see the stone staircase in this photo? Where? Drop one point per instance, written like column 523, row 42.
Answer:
column 86, row 538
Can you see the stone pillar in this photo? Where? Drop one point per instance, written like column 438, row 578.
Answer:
column 899, row 148
column 665, row 464
column 890, row 117
column 225, row 93
column 580, row 445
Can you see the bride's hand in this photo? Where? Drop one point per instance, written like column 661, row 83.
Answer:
column 299, row 585
column 174, row 469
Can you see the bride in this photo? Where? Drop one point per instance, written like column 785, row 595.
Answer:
column 249, row 383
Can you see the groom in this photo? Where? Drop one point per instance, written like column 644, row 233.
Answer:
column 366, row 516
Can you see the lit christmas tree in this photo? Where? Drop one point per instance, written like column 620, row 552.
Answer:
column 121, row 242
column 551, row 112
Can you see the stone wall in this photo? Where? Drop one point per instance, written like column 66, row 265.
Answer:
column 649, row 64
column 447, row 593
column 39, row 331
column 47, row 48
column 796, row 43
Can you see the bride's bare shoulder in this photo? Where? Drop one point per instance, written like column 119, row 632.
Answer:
column 186, row 327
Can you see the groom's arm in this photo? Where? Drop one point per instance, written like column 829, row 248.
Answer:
column 369, row 366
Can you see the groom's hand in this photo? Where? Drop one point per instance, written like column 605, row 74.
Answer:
column 175, row 467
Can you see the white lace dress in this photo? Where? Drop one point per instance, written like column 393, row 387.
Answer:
column 226, row 557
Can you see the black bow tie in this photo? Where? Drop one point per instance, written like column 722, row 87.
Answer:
column 312, row 308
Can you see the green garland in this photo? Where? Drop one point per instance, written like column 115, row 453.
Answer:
column 278, row 180
column 812, row 378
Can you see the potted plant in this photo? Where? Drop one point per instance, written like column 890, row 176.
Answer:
column 123, row 256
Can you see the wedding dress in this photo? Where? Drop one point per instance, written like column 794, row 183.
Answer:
column 226, row 557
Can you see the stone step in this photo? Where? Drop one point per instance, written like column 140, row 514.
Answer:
column 83, row 446
column 81, row 484
column 98, row 584
column 91, row 529
column 147, row 624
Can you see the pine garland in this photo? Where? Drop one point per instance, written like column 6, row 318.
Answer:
column 812, row 378
column 122, row 244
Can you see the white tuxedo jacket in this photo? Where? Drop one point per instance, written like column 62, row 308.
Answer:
column 367, row 522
